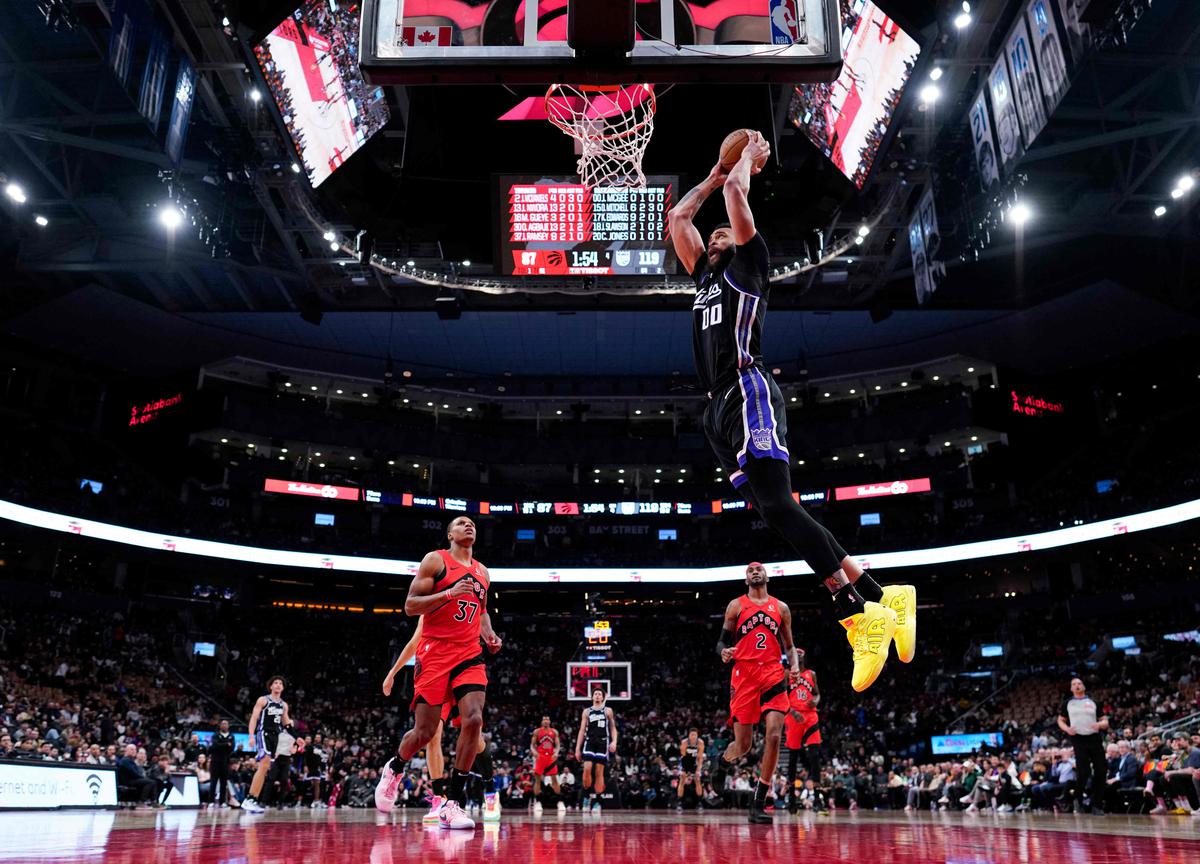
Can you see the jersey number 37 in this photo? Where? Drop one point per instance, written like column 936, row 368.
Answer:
column 466, row 611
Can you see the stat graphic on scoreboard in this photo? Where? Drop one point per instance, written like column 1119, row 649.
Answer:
column 556, row 226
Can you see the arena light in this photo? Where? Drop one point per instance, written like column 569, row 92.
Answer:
column 864, row 229
column 333, row 246
column 224, row 440
column 1187, row 182
column 329, row 236
column 1020, row 213
column 1014, row 545
column 935, row 74
column 1176, row 193
column 295, row 168
column 1160, row 211
column 929, row 94
column 170, row 216
column 963, row 19
column 255, row 95
column 41, row 221
column 858, row 241
column 15, row 193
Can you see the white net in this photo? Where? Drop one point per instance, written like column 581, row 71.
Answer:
column 611, row 127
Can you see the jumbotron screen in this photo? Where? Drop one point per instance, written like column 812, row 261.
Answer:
column 556, row 226
column 848, row 119
column 310, row 64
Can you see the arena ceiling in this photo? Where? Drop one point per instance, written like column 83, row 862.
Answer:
column 1095, row 273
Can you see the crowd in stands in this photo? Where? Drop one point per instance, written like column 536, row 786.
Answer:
column 115, row 690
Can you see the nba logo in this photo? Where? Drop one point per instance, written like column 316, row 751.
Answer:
column 623, row 257
column 785, row 23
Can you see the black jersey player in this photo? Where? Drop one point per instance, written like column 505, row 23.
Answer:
column 597, row 739
column 268, row 718
column 745, row 420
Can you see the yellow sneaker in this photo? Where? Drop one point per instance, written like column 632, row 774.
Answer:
column 902, row 599
column 869, row 634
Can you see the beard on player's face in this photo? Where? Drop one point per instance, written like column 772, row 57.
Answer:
column 719, row 250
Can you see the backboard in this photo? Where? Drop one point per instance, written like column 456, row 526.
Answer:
column 614, row 678
column 493, row 41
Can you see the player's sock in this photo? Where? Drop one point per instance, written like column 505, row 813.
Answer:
column 483, row 769
column 458, row 787
column 760, row 794
column 868, row 589
column 397, row 764
column 847, row 601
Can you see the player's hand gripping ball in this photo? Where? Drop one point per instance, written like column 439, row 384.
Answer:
column 737, row 141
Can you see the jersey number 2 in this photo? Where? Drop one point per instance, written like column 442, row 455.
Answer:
column 467, row 610
column 761, row 642
column 711, row 316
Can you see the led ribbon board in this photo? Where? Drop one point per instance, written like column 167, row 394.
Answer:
column 590, row 576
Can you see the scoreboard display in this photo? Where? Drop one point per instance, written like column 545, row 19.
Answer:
column 556, row 226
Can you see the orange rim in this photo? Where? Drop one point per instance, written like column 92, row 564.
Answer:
column 567, row 126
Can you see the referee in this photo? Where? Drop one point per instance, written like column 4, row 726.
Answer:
column 1078, row 718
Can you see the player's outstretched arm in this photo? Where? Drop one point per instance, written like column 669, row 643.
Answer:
column 689, row 245
column 406, row 654
column 737, row 188
column 421, row 598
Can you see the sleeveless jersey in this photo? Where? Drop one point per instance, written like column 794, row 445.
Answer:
column 545, row 739
column 757, row 631
column 727, row 314
column 458, row 619
column 597, row 730
column 270, row 719
column 690, row 754
column 802, row 693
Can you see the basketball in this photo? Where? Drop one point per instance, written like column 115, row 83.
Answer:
column 732, row 147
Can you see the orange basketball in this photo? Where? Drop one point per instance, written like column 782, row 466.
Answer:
column 732, row 147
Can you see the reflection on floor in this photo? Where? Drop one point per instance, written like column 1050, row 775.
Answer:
column 365, row 837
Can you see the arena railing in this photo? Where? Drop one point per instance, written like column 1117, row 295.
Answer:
column 1017, row 544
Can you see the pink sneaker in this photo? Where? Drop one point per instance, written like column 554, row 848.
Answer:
column 435, row 806
column 452, row 816
column 387, row 789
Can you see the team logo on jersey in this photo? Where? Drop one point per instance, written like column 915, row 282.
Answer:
column 761, row 438
column 623, row 257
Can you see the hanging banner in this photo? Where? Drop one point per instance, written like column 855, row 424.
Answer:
column 1079, row 35
column 1048, row 51
column 920, row 264
column 1026, row 88
column 1004, row 113
column 154, row 78
column 982, row 141
column 121, row 42
column 181, row 110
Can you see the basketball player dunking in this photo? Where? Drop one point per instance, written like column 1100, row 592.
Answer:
column 597, row 739
column 450, row 592
column 544, row 746
column 268, row 718
column 757, row 632
column 691, row 763
column 802, row 728
column 745, row 419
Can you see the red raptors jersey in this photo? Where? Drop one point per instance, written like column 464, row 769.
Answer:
column 458, row 619
column 546, row 740
column 757, row 633
column 802, row 695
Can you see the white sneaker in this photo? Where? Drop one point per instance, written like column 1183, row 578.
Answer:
column 562, row 808
column 387, row 789
column 972, row 809
column 252, row 806
column 435, row 805
column 450, row 815
column 1004, row 808
column 316, row 804
column 537, row 808
column 491, row 807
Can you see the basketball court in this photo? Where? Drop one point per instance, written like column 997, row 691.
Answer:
column 364, row 837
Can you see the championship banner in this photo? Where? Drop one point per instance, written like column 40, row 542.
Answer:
column 1048, row 50
column 984, row 144
column 154, row 78
column 1004, row 113
column 1079, row 35
column 181, row 110
column 1026, row 88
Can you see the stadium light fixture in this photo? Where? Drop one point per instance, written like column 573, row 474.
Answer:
column 963, row 20
column 858, row 241
column 41, row 220
column 170, row 216
column 333, row 246
column 935, row 74
column 410, row 263
column 224, row 440
column 852, row 391
column 1160, row 211
column 15, row 193
column 466, row 262
column 295, row 168
column 1176, row 193
column 903, row 449
column 930, row 93
column 835, row 458
column 415, row 465
column 1020, row 213
column 826, row 395
column 255, row 95
column 1187, row 182
column 864, row 229
column 329, row 236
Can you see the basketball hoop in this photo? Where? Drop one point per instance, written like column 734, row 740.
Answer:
column 611, row 124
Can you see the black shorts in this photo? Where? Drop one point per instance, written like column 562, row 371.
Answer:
column 745, row 420
column 689, row 765
column 595, row 752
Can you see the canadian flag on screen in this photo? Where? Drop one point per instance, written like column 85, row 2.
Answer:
column 425, row 37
